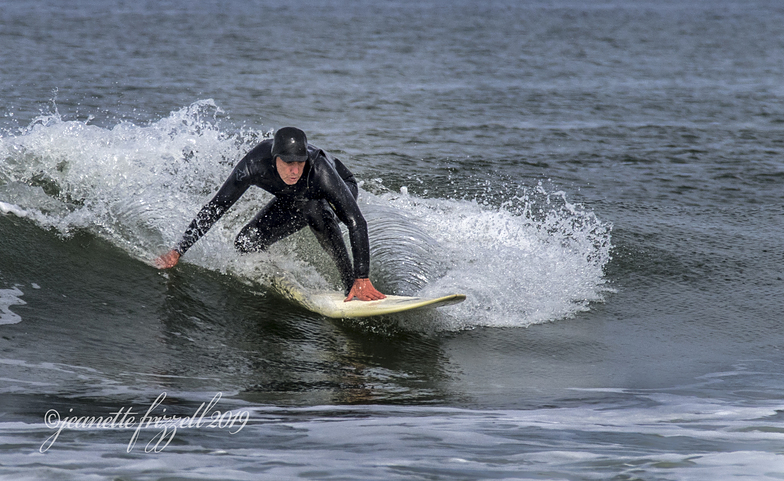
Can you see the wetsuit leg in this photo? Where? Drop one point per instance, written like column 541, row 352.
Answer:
column 324, row 224
column 275, row 221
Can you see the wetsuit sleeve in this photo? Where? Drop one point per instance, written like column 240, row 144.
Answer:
column 347, row 177
column 231, row 190
column 339, row 193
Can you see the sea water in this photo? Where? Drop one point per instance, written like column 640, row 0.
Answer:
column 603, row 181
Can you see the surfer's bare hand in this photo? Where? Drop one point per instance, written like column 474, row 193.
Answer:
column 363, row 290
column 167, row 260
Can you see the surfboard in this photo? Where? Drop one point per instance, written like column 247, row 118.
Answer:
column 331, row 303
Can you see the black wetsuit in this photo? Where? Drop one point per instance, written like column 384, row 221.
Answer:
column 325, row 189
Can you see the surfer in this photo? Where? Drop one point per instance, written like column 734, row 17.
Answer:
column 311, row 188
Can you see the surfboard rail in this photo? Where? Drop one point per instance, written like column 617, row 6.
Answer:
column 332, row 304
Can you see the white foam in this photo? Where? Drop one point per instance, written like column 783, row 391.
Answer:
column 8, row 298
column 12, row 209
column 515, row 269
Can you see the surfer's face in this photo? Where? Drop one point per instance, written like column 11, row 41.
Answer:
column 290, row 172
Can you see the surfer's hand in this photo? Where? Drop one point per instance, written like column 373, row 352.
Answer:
column 167, row 260
column 363, row 290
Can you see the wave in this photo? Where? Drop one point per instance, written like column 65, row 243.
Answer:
column 531, row 258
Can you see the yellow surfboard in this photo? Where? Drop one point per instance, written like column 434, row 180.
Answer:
column 331, row 304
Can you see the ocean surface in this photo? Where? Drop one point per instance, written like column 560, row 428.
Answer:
column 603, row 179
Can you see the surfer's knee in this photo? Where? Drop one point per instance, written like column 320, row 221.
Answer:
column 248, row 242
column 318, row 212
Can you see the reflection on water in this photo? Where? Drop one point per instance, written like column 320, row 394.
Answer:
column 269, row 350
